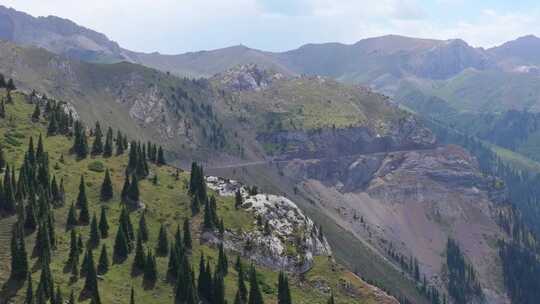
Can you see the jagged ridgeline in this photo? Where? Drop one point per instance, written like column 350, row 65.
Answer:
column 89, row 217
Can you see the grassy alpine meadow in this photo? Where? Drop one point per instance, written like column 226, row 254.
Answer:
column 166, row 202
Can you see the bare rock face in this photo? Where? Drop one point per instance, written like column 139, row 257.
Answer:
column 284, row 239
column 247, row 77
column 412, row 202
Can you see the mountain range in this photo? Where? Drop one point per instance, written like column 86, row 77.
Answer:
column 357, row 135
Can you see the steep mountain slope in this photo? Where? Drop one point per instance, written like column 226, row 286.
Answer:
column 167, row 202
column 60, row 36
column 146, row 103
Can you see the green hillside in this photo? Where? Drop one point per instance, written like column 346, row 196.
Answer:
column 166, row 202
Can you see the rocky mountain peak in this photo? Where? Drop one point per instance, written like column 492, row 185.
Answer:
column 247, row 77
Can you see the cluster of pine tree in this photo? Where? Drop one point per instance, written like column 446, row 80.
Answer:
column 199, row 198
column 463, row 285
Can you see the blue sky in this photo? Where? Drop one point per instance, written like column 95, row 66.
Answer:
column 177, row 26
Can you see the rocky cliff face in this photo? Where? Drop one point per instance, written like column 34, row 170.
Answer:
column 412, row 202
column 284, row 237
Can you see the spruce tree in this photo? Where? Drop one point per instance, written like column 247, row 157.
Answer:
column 106, row 187
column 125, row 189
column 133, row 191
column 74, row 251
column 204, row 281
column 71, row 218
column 30, row 220
column 188, row 243
column 80, row 142
column 29, row 299
column 103, row 223
column 46, row 283
column 97, row 146
column 284, row 293
column 2, row 109
column 119, row 143
column 95, row 235
column 223, row 264
column 36, row 113
column 238, row 199
column 163, row 242
column 19, row 259
column 121, row 248
column 108, row 148
column 91, row 283
column 103, row 264
column 219, row 289
column 81, row 196
column 242, row 289
column 58, row 298
column 150, row 269
column 143, row 229
column 132, row 297
column 255, row 296
column 161, row 157
column 139, row 261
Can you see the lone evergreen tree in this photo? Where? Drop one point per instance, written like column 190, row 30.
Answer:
column 222, row 264
column 121, row 248
column 19, row 259
column 219, row 289
column 188, row 243
column 106, row 187
column 95, row 235
column 139, row 261
column 143, row 229
column 29, row 299
column 108, row 148
column 91, row 283
column 97, row 146
column 284, row 293
column 242, row 290
column 163, row 242
column 71, row 218
column 103, row 223
column 161, row 157
column 255, row 296
column 103, row 264
column 150, row 269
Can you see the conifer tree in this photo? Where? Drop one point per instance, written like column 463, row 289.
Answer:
column 19, row 259
column 238, row 199
column 132, row 297
column 90, row 283
column 119, row 143
column 29, row 299
column 242, row 289
column 74, row 251
column 103, row 264
column 46, row 283
column 36, row 113
column 143, row 229
column 42, row 244
column 108, row 148
column 284, row 293
column 71, row 218
column 125, row 189
column 223, row 264
column 81, row 197
column 80, row 142
column 95, row 236
column 30, row 220
column 103, row 224
column 2, row 159
column 188, row 243
column 121, row 248
column 125, row 223
column 195, row 205
column 106, row 187
column 163, row 242
column 150, row 269
column 139, row 261
column 58, row 298
column 161, row 157
column 204, row 281
column 219, row 289
column 97, row 146
column 2, row 109
column 255, row 296
column 10, row 86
